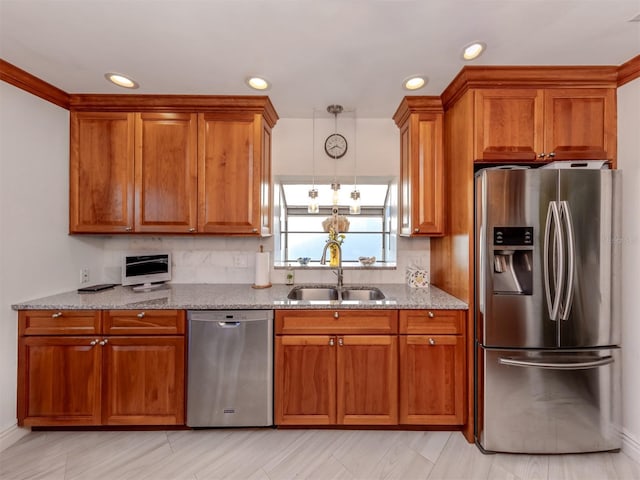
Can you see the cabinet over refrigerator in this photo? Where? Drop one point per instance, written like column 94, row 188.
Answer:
column 547, row 319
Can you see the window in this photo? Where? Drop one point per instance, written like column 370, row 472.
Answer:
column 301, row 233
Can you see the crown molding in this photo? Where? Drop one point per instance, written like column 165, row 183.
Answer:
column 416, row 104
column 529, row 76
column 629, row 71
column 19, row 78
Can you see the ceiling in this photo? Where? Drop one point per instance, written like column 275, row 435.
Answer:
column 315, row 52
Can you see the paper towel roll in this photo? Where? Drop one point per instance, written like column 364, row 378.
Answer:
column 262, row 269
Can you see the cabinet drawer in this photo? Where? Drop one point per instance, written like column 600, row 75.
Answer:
column 432, row 322
column 59, row 322
column 134, row 322
column 336, row 321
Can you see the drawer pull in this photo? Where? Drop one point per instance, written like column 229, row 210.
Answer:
column 336, row 315
column 104, row 342
column 56, row 315
column 431, row 314
column 431, row 341
column 140, row 315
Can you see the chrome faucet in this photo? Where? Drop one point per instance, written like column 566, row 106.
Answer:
column 323, row 260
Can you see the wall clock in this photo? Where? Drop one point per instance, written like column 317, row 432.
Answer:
column 335, row 145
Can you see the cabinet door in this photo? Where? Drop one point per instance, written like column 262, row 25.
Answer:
column 367, row 379
column 422, row 176
column 580, row 124
column 144, row 381
column 305, row 373
column 229, row 177
column 59, row 381
column 165, row 172
column 101, row 172
column 432, row 378
column 508, row 125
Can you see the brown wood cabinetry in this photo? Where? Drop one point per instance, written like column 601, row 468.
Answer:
column 330, row 377
column 131, row 374
column 165, row 172
column 421, row 185
column 101, row 172
column 525, row 125
column 432, row 367
column 234, row 174
column 200, row 166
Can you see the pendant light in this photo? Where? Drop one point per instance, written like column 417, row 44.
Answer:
column 354, row 206
column 314, row 205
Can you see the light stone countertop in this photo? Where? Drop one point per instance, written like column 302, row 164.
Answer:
column 237, row 297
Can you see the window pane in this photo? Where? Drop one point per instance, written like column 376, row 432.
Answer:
column 306, row 245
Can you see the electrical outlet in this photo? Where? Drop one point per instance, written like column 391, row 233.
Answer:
column 240, row 261
column 84, row 275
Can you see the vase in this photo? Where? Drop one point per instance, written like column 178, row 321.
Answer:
column 334, row 256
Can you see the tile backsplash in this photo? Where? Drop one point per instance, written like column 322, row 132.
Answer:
column 232, row 260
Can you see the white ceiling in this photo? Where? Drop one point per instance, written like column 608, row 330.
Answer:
column 315, row 52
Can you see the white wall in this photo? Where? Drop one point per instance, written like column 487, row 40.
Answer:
column 37, row 257
column 629, row 163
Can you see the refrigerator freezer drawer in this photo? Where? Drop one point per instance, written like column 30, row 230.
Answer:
column 533, row 401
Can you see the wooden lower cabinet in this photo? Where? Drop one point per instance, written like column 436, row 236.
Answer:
column 330, row 379
column 432, row 367
column 59, row 381
column 100, row 379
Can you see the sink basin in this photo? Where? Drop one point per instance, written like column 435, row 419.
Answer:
column 313, row 293
column 332, row 293
column 362, row 294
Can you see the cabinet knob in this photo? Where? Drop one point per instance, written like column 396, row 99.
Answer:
column 416, row 230
column 542, row 155
column 336, row 315
column 192, row 229
column 552, row 155
column 431, row 341
column 431, row 314
column 255, row 230
column 332, row 342
column 340, row 342
column 93, row 342
column 128, row 229
column 140, row 315
column 104, row 342
column 56, row 315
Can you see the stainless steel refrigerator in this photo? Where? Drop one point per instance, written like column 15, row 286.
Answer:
column 547, row 318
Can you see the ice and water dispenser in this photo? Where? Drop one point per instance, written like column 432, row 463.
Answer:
column 512, row 260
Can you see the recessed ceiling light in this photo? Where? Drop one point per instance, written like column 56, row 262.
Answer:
column 258, row 83
column 121, row 80
column 473, row 50
column 414, row 82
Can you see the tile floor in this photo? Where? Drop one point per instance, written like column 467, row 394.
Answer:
column 267, row 454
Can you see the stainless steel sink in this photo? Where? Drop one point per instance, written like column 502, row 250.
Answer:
column 333, row 293
column 313, row 293
column 365, row 293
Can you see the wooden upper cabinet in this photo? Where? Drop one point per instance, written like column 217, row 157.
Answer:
column 580, row 124
column 232, row 173
column 525, row 125
column 508, row 124
column 101, row 172
column 421, row 186
column 165, row 172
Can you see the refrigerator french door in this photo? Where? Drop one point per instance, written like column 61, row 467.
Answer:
column 547, row 318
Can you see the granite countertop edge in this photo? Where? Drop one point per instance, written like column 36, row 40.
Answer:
column 237, row 297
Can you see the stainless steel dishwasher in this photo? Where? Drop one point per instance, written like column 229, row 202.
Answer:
column 230, row 368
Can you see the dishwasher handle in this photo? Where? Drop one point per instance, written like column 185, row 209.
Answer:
column 228, row 324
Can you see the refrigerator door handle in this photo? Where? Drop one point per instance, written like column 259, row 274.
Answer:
column 553, row 304
column 565, row 211
column 514, row 362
